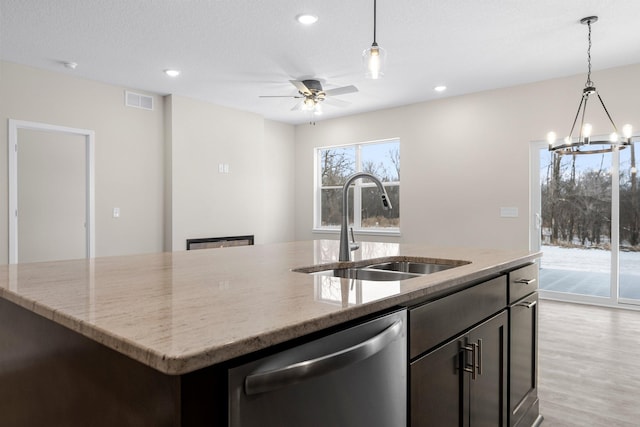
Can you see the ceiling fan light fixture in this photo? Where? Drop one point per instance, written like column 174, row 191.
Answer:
column 309, row 104
column 585, row 143
column 374, row 58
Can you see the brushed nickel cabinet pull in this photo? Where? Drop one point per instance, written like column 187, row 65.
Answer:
column 479, row 365
column 525, row 281
column 527, row 304
column 471, row 368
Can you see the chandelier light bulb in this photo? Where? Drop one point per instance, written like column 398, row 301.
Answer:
column 586, row 130
column 551, row 138
column 627, row 131
column 614, row 137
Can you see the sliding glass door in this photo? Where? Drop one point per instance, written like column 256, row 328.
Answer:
column 629, row 226
column 586, row 222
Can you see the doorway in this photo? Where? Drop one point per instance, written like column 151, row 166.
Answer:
column 51, row 192
column 586, row 221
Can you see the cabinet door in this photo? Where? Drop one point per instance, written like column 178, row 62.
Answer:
column 523, row 358
column 488, row 390
column 437, row 387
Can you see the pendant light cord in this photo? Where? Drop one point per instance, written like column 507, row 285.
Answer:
column 374, row 23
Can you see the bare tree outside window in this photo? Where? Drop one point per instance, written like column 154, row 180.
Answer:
column 381, row 159
column 576, row 203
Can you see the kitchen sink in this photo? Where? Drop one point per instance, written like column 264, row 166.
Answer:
column 365, row 273
column 387, row 269
column 412, row 267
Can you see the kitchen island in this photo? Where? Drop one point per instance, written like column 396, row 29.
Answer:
column 136, row 340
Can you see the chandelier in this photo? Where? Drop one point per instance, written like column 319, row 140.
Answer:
column 584, row 142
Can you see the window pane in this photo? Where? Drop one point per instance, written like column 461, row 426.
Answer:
column 629, row 224
column 336, row 164
column 576, row 223
column 382, row 160
column 332, row 207
column 373, row 214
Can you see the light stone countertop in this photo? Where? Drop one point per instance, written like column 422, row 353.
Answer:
column 182, row 311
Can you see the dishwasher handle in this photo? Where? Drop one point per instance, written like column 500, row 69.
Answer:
column 282, row 377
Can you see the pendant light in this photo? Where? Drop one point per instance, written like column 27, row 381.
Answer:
column 585, row 143
column 374, row 57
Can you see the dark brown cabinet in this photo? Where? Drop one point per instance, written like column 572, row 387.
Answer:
column 523, row 347
column 458, row 350
column 463, row 382
column 474, row 354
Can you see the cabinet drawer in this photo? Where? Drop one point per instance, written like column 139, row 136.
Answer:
column 436, row 321
column 522, row 282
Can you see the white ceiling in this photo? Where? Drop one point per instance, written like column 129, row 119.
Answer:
column 232, row 51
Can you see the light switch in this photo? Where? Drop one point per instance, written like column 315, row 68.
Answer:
column 226, row 168
column 116, row 212
column 220, row 168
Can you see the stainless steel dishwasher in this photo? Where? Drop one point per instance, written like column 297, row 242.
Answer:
column 356, row 377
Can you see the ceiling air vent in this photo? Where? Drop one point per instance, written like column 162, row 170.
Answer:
column 137, row 100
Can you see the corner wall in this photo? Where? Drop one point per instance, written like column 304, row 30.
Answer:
column 253, row 192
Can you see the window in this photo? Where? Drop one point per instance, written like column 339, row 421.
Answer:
column 335, row 164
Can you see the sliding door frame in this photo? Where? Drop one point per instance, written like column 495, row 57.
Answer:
column 535, row 243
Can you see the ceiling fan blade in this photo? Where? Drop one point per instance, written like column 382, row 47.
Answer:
column 298, row 106
column 334, row 102
column 301, row 87
column 280, row 96
column 341, row 90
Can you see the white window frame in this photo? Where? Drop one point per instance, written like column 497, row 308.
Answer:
column 357, row 202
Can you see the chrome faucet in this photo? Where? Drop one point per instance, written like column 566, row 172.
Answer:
column 345, row 247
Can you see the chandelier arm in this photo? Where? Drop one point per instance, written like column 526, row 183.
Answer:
column 584, row 113
column 615, row 128
column 576, row 118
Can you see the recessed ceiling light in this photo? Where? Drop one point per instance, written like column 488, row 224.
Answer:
column 440, row 88
column 307, row 19
column 172, row 73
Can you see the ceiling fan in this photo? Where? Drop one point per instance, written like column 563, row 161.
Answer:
column 312, row 95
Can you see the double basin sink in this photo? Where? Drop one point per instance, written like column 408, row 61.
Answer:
column 389, row 269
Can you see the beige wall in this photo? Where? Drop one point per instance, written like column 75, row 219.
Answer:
column 128, row 152
column 160, row 167
column 279, row 182
column 254, row 197
column 463, row 158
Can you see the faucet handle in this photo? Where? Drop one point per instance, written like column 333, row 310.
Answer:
column 353, row 246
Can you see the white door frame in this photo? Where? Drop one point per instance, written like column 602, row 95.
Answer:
column 89, row 135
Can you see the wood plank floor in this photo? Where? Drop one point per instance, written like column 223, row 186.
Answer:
column 589, row 365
